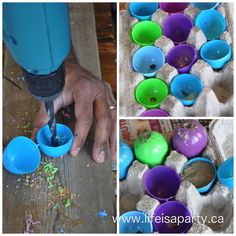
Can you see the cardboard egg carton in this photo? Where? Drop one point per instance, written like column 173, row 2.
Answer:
column 217, row 202
column 216, row 99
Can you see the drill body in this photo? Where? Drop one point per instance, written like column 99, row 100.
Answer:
column 37, row 36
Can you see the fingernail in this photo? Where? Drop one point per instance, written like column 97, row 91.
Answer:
column 75, row 151
column 101, row 157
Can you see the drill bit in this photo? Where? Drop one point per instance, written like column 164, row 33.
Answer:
column 52, row 121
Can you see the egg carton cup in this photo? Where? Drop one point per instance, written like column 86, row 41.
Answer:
column 217, row 202
column 216, row 99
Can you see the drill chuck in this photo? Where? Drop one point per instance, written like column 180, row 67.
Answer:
column 45, row 87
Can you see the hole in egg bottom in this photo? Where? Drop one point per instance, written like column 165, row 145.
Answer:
column 153, row 100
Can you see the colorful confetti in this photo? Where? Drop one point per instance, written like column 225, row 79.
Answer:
column 61, row 230
column 114, row 166
column 102, row 214
column 50, row 170
column 67, row 203
column 29, row 225
column 62, row 140
column 60, row 189
column 13, row 119
column 65, row 197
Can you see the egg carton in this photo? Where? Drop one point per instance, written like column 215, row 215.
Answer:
column 216, row 99
column 217, row 202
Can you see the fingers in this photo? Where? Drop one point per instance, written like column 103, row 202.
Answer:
column 103, row 127
column 111, row 101
column 84, row 118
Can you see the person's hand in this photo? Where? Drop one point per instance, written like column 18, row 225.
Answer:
column 92, row 97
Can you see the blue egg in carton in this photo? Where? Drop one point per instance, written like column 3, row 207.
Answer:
column 148, row 60
column 205, row 5
column 143, row 10
column 143, row 225
column 125, row 159
column 186, row 88
column 225, row 173
column 216, row 53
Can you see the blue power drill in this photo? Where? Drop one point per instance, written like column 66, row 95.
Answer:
column 37, row 36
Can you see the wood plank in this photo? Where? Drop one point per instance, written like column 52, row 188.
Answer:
column 90, row 183
column 83, row 39
column 106, row 36
column 13, row 74
column 78, row 45
column 122, row 6
column 104, row 24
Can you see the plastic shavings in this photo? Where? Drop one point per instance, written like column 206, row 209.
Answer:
column 60, row 189
column 29, row 225
column 13, row 119
column 61, row 230
column 44, row 162
column 24, row 128
column 62, row 140
column 28, row 131
column 50, row 170
column 56, row 205
column 114, row 166
column 58, row 196
column 20, row 78
column 102, row 214
column 65, row 196
column 67, row 203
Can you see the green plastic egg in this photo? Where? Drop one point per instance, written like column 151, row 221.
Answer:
column 151, row 148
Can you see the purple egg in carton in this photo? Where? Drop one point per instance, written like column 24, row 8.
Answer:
column 201, row 46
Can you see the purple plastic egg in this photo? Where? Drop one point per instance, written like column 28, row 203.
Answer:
column 190, row 139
